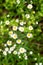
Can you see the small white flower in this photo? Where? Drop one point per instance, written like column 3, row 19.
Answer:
column 33, row 12
column 36, row 22
column 8, row 15
column 22, row 50
column 36, row 63
column 21, row 29
column 24, row 22
column 6, row 49
column 17, row 20
column 27, row 16
column 31, row 52
column 4, row 53
column 40, row 63
column 21, row 23
column 24, row 54
column 15, row 52
column 1, row 22
column 35, row 58
column 26, row 58
column 29, row 6
column 14, row 45
column 14, row 36
column 0, row 50
column 29, row 35
column 18, row 1
column 18, row 41
column 10, row 33
column 18, row 53
column 9, row 52
column 9, row 43
column 19, row 56
column 7, row 22
column 15, row 28
column 30, row 28
column 12, row 48
column 5, row 45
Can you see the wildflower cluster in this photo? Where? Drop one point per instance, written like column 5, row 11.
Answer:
column 21, row 32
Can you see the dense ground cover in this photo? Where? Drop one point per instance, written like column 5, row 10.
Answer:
column 21, row 32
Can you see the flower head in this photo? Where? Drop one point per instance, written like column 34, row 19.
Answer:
column 29, row 35
column 29, row 6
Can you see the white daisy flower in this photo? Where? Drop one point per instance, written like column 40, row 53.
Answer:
column 35, row 58
column 15, row 52
column 24, row 22
column 1, row 22
column 40, row 63
column 19, row 56
column 7, row 22
column 14, row 45
column 14, row 36
column 8, row 15
column 29, row 6
column 15, row 28
column 0, row 50
column 18, row 53
column 17, row 20
column 18, row 41
column 21, row 29
column 9, row 52
column 4, row 53
column 27, row 16
column 21, row 23
column 11, row 33
column 31, row 52
column 9, row 43
column 25, row 57
column 6, row 49
column 36, row 63
column 18, row 1
column 12, row 48
column 36, row 22
column 22, row 50
column 5, row 45
column 30, row 28
column 29, row 35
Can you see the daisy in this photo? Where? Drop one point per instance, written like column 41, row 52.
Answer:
column 7, row 22
column 4, row 53
column 22, row 50
column 15, row 28
column 15, row 52
column 27, row 16
column 0, row 50
column 21, row 23
column 29, row 35
column 17, row 20
column 30, row 28
column 25, row 57
column 40, row 63
column 14, row 36
column 18, row 41
column 31, row 52
column 21, row 29
column 36, row 63
column 11, row 49
column 9, row 43
column 11, row 33
column 6, row 49
column 18, row 1
column 9, row 52
column 29, row 6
